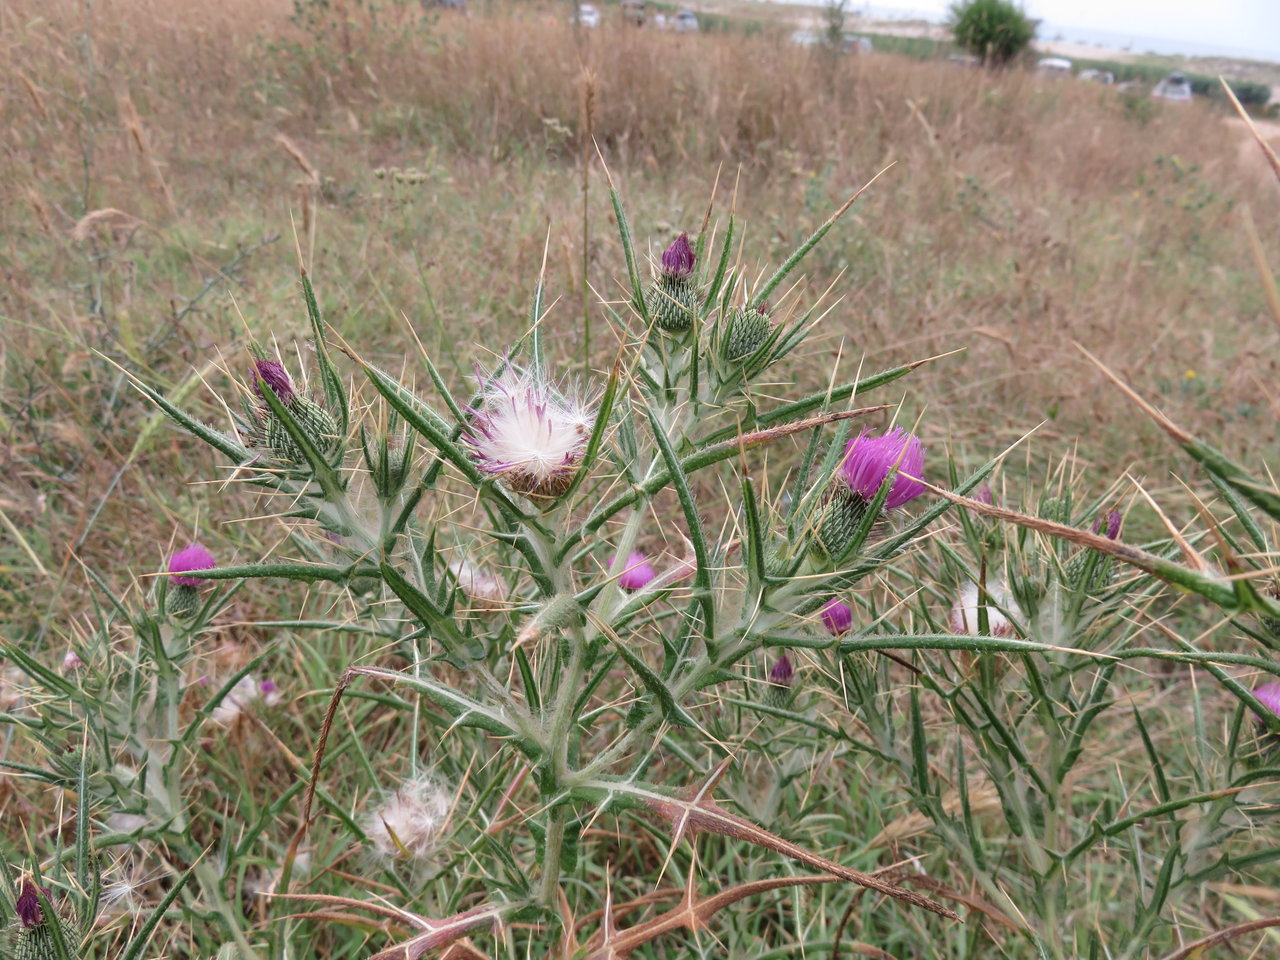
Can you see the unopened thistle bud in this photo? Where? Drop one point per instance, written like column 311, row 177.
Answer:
column 184, row 589
column 745, row 332
column 837, row 617
column 672, row 298
column 530, row 436
column 781, row 676
column 33, row 937
column 312, row 419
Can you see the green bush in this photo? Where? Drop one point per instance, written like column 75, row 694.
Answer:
column 995, row 30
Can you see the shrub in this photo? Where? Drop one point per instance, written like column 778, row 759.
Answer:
column 995, row 30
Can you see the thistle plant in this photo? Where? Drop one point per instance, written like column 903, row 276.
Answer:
column 608, row 638
column 592, row 649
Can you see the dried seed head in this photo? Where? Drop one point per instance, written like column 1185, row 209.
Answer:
column 530, row 435
column 410, row 821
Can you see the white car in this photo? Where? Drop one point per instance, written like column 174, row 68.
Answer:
column 686, row 22
column 588, row 15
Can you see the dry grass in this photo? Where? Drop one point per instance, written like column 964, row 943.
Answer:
column 145, row 143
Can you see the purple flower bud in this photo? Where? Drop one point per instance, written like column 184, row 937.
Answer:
column 984, row 495
column 195, row 557
column 639, row 571
column 868, row 461
column 837, row 617
column 71, row 661
column 679, row 258
column 782, row 673
column 275, row 376
column 1269, row 694
column 1108, row 526
column 268, row 687
column 30, row 913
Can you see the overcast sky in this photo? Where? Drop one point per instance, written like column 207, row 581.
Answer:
column 1234, row 25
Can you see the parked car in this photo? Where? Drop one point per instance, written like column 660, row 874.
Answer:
column 1175, row 88
column 1054, row 66
column 633, row 12
column 853, row 43
column 1104, row 77
column 686, row 22
column 588, row 15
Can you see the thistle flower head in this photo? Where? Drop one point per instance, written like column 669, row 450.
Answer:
column 247, row 695
column 1109, row 526
column 71, row 661
column 194, row 557
column 837, row 617
column 479, row 584
column 869, row 459
column 276, row 377
column 27, row 906
column 638, row 572
column 1269, row 694
column 678, row 259
column 966, row 610
column 984, row 495
column 530, row 435
column 782, row 673
column 410, row 821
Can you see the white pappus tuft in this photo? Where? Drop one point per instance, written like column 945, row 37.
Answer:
column 410, row 821
column 529, row 434
column 965, row 612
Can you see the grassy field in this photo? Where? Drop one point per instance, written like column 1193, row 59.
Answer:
column 165, row 169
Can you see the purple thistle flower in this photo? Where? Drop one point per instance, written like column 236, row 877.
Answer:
column 30, row 912
column 268, row 687
column 984, row 495
column 868, row 461
column 275, row 376
column 679, row 258
column 782, row 673
column 195, row 557
column 638, row 572
column 1108, row 526
column 1269, row 694
column 837, row 617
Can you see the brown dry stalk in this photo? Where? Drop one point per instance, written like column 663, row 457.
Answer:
column 691, row 914
column 133, row 123
column 1267, row 152
column 1225, row 935
column 704, row 815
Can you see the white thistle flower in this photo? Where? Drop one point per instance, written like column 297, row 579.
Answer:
column 478, row 583
column 529, row 434
column 411, row 820
column 965, row 612
column 246, row 695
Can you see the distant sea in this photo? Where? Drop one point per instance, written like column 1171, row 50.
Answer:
column 1049, row 31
